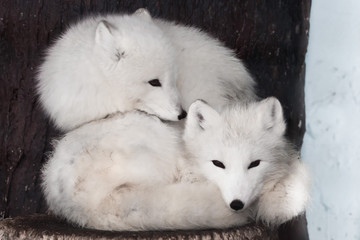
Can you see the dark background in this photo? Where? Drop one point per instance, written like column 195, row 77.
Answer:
column 270, row 36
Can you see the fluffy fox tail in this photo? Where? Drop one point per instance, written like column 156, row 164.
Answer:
column 285, row 198
column 174, row 206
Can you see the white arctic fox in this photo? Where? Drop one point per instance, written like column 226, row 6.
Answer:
column 116, row 63
column 129, row 172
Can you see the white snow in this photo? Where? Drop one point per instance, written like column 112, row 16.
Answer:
column 332, row 140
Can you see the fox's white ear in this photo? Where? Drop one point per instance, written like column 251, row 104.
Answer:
column 272, row 115
column 201, row 117
column 103, row 35
column 143, row 13
column 105, row 40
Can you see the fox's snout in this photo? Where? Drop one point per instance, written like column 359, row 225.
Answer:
column 237, row 205
column 183, row 114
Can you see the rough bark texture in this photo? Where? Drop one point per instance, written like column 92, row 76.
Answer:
column 45, row 227
column 271, row 37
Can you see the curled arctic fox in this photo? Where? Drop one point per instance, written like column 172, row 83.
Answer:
column 129, row 172
column 117, row 63
column 244, row 152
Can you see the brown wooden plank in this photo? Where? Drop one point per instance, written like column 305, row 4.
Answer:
column 41, row 226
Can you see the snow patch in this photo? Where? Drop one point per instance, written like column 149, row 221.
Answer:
column 332, row 141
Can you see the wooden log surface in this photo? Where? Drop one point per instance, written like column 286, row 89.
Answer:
column 270, row 36
column 47, row 227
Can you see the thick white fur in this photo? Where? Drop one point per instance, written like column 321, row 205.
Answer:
column 129, row 171
column 288, row 195
column 278, row 186
column 102, row 65
column 206, row 69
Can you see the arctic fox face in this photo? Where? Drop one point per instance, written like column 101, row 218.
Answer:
column 236, row 150
column 140, row 64
column 103, row 65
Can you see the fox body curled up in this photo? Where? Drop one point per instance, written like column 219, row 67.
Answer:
column 236, row 166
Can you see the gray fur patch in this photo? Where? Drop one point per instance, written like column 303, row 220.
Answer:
column 124, row 187
column 201, row 120
column 61, row 186
column 119, row 55
column 78, row 185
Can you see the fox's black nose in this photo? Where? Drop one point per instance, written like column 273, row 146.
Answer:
column 182, row 115
column 237, row 205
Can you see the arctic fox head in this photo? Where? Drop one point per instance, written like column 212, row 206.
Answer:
column 107, row 64
column 140, row 54
column 238, row 149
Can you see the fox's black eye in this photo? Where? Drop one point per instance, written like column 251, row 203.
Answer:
column 254, row 164
column 218, row 164
column 155, row 83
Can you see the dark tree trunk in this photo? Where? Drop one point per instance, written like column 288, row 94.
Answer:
column 271, row 36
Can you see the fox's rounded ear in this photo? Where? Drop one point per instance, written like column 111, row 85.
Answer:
column 201, row 117
column 104, row 36
column 143, row 13
column 105, row 40
column 103, row 32
column 271, row 114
